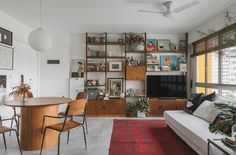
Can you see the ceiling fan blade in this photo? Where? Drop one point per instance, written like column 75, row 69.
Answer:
column 150, row 11
column 186, row 6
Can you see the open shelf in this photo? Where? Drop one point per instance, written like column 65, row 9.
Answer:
column 98, row 43
column 92, row 57
column 165, row 52
column 116, row 43
column 116, row 57
column 135, row 52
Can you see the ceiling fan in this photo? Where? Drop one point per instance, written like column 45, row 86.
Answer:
column 169, row 11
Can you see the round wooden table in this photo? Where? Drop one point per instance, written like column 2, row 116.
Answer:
column 32, row 113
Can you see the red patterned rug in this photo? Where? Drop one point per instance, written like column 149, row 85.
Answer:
column 146, row 137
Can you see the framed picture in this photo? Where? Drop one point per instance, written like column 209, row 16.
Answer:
column 77, row 68
column 5, row 36
column 115, row 66
column 168, row 62
column 115, row 87
column 151, row 45
column 163, row 45
column 3, row 83
column 6, row 57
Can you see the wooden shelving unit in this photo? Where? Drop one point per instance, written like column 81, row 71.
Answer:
column 104, row 42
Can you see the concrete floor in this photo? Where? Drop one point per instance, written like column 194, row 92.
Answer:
column 98, row 140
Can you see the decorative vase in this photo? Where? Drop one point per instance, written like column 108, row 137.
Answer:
column 141, row 114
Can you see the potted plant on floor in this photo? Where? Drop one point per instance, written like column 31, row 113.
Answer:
column 142, row 107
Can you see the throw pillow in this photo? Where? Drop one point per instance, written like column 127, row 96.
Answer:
column 210, row 97
column 204, row 110
column 193, row 100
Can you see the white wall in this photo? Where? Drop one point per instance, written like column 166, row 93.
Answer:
column 25, row 60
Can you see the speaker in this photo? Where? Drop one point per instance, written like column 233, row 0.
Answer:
column 53, row 61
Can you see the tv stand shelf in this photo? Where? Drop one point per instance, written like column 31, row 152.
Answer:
column 158, row 106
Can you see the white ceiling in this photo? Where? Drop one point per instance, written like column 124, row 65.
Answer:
column 75, row 16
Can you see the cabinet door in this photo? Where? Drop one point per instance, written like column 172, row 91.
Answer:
column 168, row 105
column 155, row 107
column 96, row 108
column 135, row 72
column 181, row 103
column 76, row 86
column 115, row 107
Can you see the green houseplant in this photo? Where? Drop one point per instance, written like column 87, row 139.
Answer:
column 225, row 120
column 142, row 107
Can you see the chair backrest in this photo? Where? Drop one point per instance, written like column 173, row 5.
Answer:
column 76, row 107
column 82, row 95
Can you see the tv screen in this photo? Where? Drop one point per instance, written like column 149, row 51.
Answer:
column 166, row 86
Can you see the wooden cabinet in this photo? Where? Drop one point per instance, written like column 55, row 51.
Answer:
column 157, row 106
column 112, row 107
column 135, row 72
column 181, row 103
column 115, row 107
column 96, row 108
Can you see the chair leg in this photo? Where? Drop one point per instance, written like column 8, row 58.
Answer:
column 68, row 136
column 17, row 137
column 4, row 140
column 58, row 148
column 18, row 124
column 45, row 130
column 85, row 121
column 84, row 138
column 11, row 124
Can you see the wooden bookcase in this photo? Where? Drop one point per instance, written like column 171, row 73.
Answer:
column 98, row 47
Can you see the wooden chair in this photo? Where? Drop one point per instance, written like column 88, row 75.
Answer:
column 80, row 95
column 4, row 129
column 74, row 108
column 16, row 116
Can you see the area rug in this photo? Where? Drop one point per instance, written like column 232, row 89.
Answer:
column 146, row 137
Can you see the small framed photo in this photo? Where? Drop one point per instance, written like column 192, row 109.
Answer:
column 6, row 57
column 163, row 45
column 115, row 66
column 5, row 36
column 174, row 47
column 77, row 68
column 115, row 87
column 3, row 83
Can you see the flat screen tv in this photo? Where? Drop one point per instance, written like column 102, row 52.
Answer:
column 166, row 86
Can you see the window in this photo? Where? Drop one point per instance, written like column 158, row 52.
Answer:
column 215, row 65
column 201, row 69
column 229, row 65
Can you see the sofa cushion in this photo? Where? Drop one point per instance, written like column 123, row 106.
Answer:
column 209, row 97
column 207, row 111
column 193, row 102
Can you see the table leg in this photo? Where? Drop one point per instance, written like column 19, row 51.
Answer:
column 31, row 123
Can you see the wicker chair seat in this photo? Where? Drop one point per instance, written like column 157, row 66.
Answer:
column 68, row 125
column 4, row 129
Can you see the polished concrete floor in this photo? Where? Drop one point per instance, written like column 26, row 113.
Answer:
column 98, row 140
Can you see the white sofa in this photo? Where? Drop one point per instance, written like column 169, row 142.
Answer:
column 193, row 130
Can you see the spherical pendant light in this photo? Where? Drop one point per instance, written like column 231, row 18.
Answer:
column 40, row 40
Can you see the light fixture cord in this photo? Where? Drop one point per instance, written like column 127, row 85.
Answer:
column 40, row 14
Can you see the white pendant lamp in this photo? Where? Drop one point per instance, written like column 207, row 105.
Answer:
column 39, row 39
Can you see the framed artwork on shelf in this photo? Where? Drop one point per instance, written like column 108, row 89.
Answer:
column 115, row 66
column 163, row 45
column 174, row 47
column 115, row 87
column 151, row 45
column 5, row 36
column 3, row 83
column 182, row 45
column 6, row 57
column 77, row 68
column 168, row 62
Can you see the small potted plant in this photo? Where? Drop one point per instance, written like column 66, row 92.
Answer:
column 21, row 91
column 142, row 106
column 131, row 110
